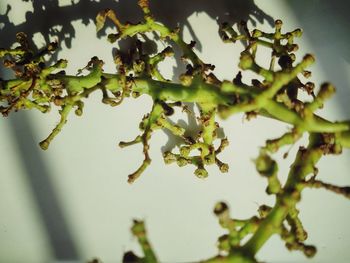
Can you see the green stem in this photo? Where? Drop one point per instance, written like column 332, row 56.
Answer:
column 303, row 165
column 313, row 123
column 139, row 231
column 64, row 114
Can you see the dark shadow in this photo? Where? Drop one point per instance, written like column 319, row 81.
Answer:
column 191, row 126
column 46, row 200
column 176, row 13
column 326, row 25
column 53, row 21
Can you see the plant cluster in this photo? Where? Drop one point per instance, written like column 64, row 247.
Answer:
column 276, row 94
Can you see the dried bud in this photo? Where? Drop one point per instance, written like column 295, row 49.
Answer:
column 224, row 142
column 246, row 60
column 201, row 173
column 278, row 24
column 78, row 111
column 143, row 4
column 306, row 74
column 293, row 48
column 309, row 251
column 326, row 91
column 309, row 59
column 44, row 145
column 62, row 63
column 309, row 87
column 139, row 66
column 58, row 101
column 224, row 167
column 169, row 157
column 185, row 150
column 22, row 39
column 209, row 159
column 52, row 46
column 256, row 33
column 220, row 208
column 297, row 32
column 264, row 210
column 113, row 37
column 181, row 161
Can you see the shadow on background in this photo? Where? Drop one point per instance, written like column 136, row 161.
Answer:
column 327, row 25
column 44, row 194
column 176, row 13
column 55, row 22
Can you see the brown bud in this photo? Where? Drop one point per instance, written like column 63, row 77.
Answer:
column 143, row 4
column 278, row 23
column 220, row 208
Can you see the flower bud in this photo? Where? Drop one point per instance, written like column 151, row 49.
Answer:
column 201, row 173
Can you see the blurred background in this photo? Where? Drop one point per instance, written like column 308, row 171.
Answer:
column 72, row 202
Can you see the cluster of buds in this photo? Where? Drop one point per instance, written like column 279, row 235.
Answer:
column 29, row 89
column 138, row 64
